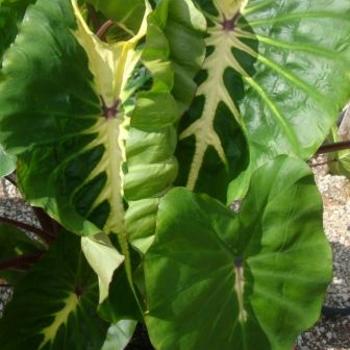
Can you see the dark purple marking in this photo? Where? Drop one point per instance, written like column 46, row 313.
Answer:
column 79, row 291
column 229, row 25
column 239, row 262
column 110, row 112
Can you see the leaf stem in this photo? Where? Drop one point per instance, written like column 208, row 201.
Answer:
column 102, row 31
column 49, row 225
column 40, row 233
column 334, row 147
column 11, row 180
column 21, row 262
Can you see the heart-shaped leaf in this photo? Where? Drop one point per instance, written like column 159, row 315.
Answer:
column 274, row 80
column 217, row 280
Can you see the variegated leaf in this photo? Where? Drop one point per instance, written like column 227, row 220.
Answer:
column 274, row 80
column 62, row 112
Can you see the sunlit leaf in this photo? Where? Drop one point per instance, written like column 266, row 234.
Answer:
column 274, row 80
column 217, row 280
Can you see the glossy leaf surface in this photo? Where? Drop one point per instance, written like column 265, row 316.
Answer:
column 55, row 303
column 254, row 280
column 274, row 81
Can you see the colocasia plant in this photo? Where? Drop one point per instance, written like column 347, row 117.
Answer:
column 133, row 127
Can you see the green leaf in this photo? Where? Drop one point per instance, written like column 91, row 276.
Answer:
column 173, row 53
column 15, row 244
column 217, row 280
column 11, row 15
column 127, row 14
column 7, row 163
column 119, row 335
column 54, row 306
column 274, row 80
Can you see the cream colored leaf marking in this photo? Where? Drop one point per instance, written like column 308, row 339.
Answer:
column 228, row 8
column 215, row 65
column 59, row 319
column 111, row 66
column 239, row 288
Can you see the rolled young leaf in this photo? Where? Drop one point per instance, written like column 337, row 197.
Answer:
column 274, row 80
column 217, row 280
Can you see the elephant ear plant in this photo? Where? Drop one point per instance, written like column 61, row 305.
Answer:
column 133, row 126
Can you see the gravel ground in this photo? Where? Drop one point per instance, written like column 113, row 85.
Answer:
column 12, row 207
column 333, row 334
column 328, row 334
